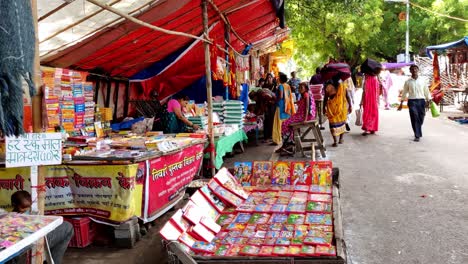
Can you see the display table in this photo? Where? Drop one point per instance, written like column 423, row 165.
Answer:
column 17, row 232
column 111, row 189
column 225, row 144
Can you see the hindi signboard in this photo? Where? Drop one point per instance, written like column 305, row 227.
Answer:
column 33, row 149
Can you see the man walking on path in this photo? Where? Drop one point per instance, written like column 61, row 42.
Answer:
column 418, row 97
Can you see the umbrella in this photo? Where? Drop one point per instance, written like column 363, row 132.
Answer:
column 371, row 67
column 335, row 70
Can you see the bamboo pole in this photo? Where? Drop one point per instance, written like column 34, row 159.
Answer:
column 37, row 126
column 142, row 23
column 209, row 94
column 226, row 20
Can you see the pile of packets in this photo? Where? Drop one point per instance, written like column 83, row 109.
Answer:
column 225, row 218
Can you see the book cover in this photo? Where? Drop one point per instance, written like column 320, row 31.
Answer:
column 288, row 227
column 266, row 251
column 263, row 208
column 283, row 200
column 225, row 178
column 259, row 218
column 242, row 218
column 170, row 232
column 234, row 250
column 276, row 227
column 246, row 208
column 296, row 208
column 260, row 234
column 178, row 220
column 281, row 173
column 273, row 234
column 249, row 233
column 204, row 247
column 285, row 194
column 243, row 172
column 217, row 203
column 224, row 194
column 300, row 233
column 326, row 198
column 318, row 219
column 263, row 227
column 308, row 250
column 297, row 241
column 262, row 172
column 294, row 250
column 211, row 224
column 270, row 241
column 235, row 227
column 322, row 173
column 283, row 241
column 256, row 241
column 319, row 238
column 325, row 251
column 278, row 218
column 296, row 219
column 320, row 189
column 205, row 206
column 301, row 188
column 278, row 208
column 280, row 250
column 287, row 234
column 222, row 250
column 225, row 219
column 250, row 250
column 323, row 228
column 300, row 173
column 318, row 207
column 192, row 213
column 187, row 239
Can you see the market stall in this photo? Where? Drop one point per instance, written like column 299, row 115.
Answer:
column 21, row 231
column 450, row 72
column 282, row 212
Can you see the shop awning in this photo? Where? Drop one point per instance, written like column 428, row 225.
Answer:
column 462, row 43
column 77, row 34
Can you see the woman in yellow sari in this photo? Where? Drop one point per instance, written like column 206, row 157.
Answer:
column 337, row 105
column 284, row 107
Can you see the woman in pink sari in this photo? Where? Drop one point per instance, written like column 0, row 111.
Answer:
column 370, row 105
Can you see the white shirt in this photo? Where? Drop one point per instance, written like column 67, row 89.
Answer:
column 417, row 89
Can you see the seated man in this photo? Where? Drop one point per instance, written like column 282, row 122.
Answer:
column 58, row 239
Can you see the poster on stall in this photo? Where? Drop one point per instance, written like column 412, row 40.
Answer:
column 109, row 192
column 33, row 149
column 11, row 181
column 169, row 175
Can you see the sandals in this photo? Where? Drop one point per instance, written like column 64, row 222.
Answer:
column 334, row 145
column 341, row 141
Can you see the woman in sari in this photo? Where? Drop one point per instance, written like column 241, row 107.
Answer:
column 337, row 106
column 284, row 107
column 370, row 104
column 305, row 110
column 174, row 119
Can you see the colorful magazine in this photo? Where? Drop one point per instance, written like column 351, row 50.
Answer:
column 266, row 251
column 300, row 173
column 259, row 218
column 318, row 207
column 278, row 218
column 243, row 172
column 225, row 178
column 325, row 251
column 326, row 198
column 256, row 241
column 296, row 219
column 200, row 246
column 281, row 173
column 283, row 241
column 318, row 219
column 222, row 250
column 250, row 250
column 294, row 250
column 321, row 173
column 242, row 218
column 270, row 241
column 276, row 226
column 323, row 228
column 262, row 172
column 280, row 250
column 278, row 208
column 225, row 219
column 321, row 189
column 263, row 208
column 234, row 250
column 308, row 250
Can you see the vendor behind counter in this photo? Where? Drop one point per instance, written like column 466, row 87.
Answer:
column 174, row 119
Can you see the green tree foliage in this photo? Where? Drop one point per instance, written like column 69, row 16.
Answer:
column 351, row 30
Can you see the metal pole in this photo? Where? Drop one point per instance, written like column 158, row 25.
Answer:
column 209, row 94
column 407, row 57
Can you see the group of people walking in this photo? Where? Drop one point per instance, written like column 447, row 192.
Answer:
column 338, row 104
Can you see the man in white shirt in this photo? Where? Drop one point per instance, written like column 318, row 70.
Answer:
column 419, row 96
